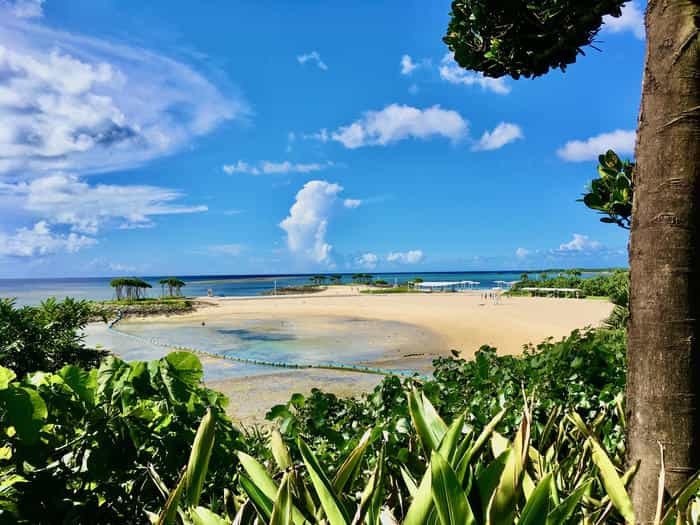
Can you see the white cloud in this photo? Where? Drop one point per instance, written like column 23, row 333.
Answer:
column 622, row 141
column 398, row 122
column 521, row 253
column 352, row 203
column 225, row 249
column 321, row 136
column 24, row 8
column 632, row 20
column 307, row 222
column 314, row 57
column 65, row 199
column 409, row 257
column 83, row 104
column 452, row 73
column 39, row 241
column 267, row 167
column 501, row 135
column 580, row 243
column 408, row 66
column 367, row 260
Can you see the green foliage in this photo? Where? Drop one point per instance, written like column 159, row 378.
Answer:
column 362, row 278
column 86, row 446
column 173, row 284
column 521, row 37
column 612, row 284
column 557, row 476
column 45, row 337
column 612, row 192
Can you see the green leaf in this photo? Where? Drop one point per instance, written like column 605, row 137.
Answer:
column 329, row 500
column 537, row 505
column 82, row 382
column 428, row 424
column 261, row 502
column 6, row 377
column 203, row 516
column 422, row 502
column 282, row 510
column 562, row 512
column 198, row 463
column 614, row 486
column 280, row 451
column 169, row 511
column 26, row 411
column 349, row 469
column 449, row 498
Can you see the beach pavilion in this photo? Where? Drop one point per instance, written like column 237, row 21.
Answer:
column 445, row 286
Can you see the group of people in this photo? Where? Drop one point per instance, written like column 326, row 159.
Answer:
column 491, row 296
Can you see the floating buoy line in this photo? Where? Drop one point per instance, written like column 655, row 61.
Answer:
column 261, row 362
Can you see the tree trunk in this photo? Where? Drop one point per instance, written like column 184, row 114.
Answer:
column 663, row 381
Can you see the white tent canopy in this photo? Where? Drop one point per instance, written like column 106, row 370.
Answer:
column 445, row 285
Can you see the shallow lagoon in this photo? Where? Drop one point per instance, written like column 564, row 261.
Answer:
column 311, row 341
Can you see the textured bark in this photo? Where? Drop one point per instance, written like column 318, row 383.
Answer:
column 663, row 383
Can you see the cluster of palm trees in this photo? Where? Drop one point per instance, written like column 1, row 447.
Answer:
column 362, row 278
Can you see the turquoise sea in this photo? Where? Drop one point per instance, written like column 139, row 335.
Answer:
column 33, row 291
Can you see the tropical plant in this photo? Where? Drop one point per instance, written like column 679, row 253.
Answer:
column 612, row 192
column 84, row 446
column 559, row 474
column 45, row 337
column 524, row 38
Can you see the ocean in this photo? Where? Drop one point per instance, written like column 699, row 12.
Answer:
column 33, row 291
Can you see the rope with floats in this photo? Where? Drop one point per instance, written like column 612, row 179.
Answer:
column 343, row 367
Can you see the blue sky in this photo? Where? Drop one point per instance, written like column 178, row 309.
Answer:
column 272, row 137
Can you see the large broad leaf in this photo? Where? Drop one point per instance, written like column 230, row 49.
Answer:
column 612, row 482
column 280, row 451
column 82, row 382
column 422, row 503
column 449, row 498
column 180, row 372
column 26, row 411
column 428, row 424
column 330, row 502
column 198, row 463
column 537, row 505
column 6, row 377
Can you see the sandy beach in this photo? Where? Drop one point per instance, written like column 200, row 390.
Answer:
column 425, row 325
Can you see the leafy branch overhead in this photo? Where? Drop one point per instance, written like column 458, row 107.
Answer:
column 522, row 37
column 611, row 194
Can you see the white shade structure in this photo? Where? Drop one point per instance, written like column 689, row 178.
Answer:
column 445, row 286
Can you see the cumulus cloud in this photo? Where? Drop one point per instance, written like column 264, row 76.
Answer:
column 399, row 122
column 501, row 135
column 313, row 57
column 307, row 222
column 65, row 199
column 622, row 141
column 84, row 104
column 352, row 203
column 632, row 20
column 367, row 260
column 409, row 257
column 40, row 240
column 268, row 167
column 407, row 65
column 580, row 243
column 452, row 73
column 521, row 253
